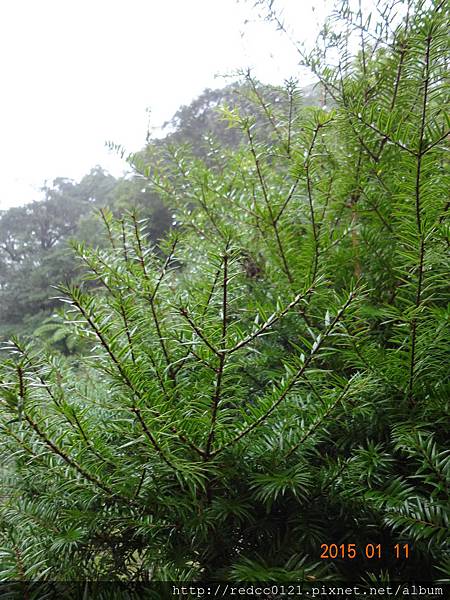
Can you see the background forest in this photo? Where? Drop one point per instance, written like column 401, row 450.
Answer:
column 252, row 360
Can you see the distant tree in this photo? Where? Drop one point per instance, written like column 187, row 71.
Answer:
column 33, row 246
column 97, row 187
column 134, row 194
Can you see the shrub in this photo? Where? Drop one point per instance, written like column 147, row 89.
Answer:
column 273, row 377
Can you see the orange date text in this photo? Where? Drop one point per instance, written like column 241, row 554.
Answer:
column 369, row 551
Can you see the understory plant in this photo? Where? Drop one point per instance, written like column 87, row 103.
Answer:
column 273, row 376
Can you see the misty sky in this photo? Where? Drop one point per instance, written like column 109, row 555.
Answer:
column 76, row 73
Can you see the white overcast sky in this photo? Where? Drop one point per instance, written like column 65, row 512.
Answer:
column 76, row 73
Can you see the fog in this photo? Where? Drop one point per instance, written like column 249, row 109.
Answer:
column 78, row 74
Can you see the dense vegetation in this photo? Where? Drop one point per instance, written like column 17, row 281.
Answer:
column 34, row 252
column 271, row 376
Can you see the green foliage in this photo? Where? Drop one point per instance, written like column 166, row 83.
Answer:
column 270, row 377
column 33, row 250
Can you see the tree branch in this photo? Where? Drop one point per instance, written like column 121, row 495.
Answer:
column 293, row 380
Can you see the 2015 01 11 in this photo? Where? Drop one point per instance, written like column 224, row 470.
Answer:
column 370, row 551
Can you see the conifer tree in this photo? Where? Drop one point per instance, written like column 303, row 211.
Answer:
column 273, row 377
